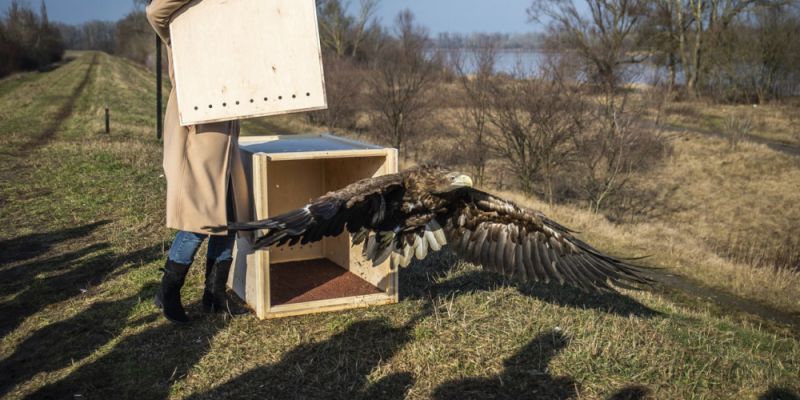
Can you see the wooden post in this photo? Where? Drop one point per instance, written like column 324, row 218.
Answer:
column 159, row 120
column 108, row 121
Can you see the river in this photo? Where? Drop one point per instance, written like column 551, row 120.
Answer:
column 528, row 63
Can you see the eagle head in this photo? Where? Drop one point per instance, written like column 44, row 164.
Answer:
column 453, row 181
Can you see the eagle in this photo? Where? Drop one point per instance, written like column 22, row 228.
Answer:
column 422, row 209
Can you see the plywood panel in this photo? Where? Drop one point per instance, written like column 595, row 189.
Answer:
column 246, row 58
column 342, row 172
column 319, row 306
column 293, row 184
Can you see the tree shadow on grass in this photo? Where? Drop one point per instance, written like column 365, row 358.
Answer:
column 336, row 368
column 144, row 365
column 33, row 294
column 416, row 282
column 57, row 345
column 633, row 392
column 17, row 278
column 33, row 245
column 779, row 394
column 525, row 375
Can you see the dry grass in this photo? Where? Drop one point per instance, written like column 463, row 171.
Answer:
column 84, row 236
column 723, row 195
column 776, row 122
column 677, row 248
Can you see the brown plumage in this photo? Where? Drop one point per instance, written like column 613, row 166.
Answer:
column 412, row 213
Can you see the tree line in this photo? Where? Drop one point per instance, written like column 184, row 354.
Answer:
column 130, row 37
column 28, row 40
column 725, row 50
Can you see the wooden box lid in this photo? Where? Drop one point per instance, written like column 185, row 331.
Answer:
column 246, row 58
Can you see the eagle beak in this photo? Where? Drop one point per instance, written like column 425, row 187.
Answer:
column 462, row 181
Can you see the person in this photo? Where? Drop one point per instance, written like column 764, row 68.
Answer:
column 206, row 186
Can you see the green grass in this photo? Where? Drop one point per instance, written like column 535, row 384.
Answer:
column 84, row 236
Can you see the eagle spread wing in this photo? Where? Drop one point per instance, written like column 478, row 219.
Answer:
column 402, row 216
column 524, row 244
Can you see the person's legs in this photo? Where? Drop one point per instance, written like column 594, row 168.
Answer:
column 181, row 255
column 185, row 246
column 220, row 248
column 218, row 263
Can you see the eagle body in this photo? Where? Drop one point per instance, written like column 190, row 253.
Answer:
column 409, row 214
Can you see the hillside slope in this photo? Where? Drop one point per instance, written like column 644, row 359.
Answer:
column 83, row 239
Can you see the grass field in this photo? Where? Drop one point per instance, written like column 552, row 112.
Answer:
column 778, row 122
column 84, row 236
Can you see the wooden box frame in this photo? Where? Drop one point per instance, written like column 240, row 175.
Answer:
column 305, row 167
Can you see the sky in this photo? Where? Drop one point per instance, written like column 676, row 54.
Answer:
column 463, row 16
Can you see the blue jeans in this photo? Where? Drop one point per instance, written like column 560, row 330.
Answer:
column 185, row 245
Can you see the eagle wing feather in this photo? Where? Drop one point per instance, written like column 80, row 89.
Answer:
column 524, row 244
column 356, row 207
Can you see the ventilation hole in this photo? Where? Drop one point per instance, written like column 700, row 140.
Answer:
column 210, row 106
column 195, row 107
column 294, row 96
column 224, row 104
column 251, row 100
column 237, row 102
column 265, row 99
column 280, row 97
column 308, row 94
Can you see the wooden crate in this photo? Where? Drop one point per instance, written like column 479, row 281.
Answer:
column 246, row 58
column 286, row 172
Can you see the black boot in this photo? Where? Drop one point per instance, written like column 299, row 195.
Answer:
column 208, row 291
column 215, row 299
column 168, row 296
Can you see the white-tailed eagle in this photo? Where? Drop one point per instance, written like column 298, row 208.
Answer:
column 409, row 214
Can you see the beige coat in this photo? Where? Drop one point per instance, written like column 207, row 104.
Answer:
column 200, row 161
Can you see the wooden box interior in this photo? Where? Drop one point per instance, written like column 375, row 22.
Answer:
column 310, row 271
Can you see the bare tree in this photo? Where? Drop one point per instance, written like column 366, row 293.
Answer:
column 535, row 119
column 133, row 37
column 614, row 142
column 27, row 40
column 756, row 59
column 475, row 68
column 98, row 35
column 660, row 34
column 359, row 32
column 341, row 33
column 609, row 139
column 605, row 38
column 400, row 85
column 344, row 83
column 701, row 24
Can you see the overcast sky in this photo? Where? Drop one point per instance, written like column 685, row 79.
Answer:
column 438, row 15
